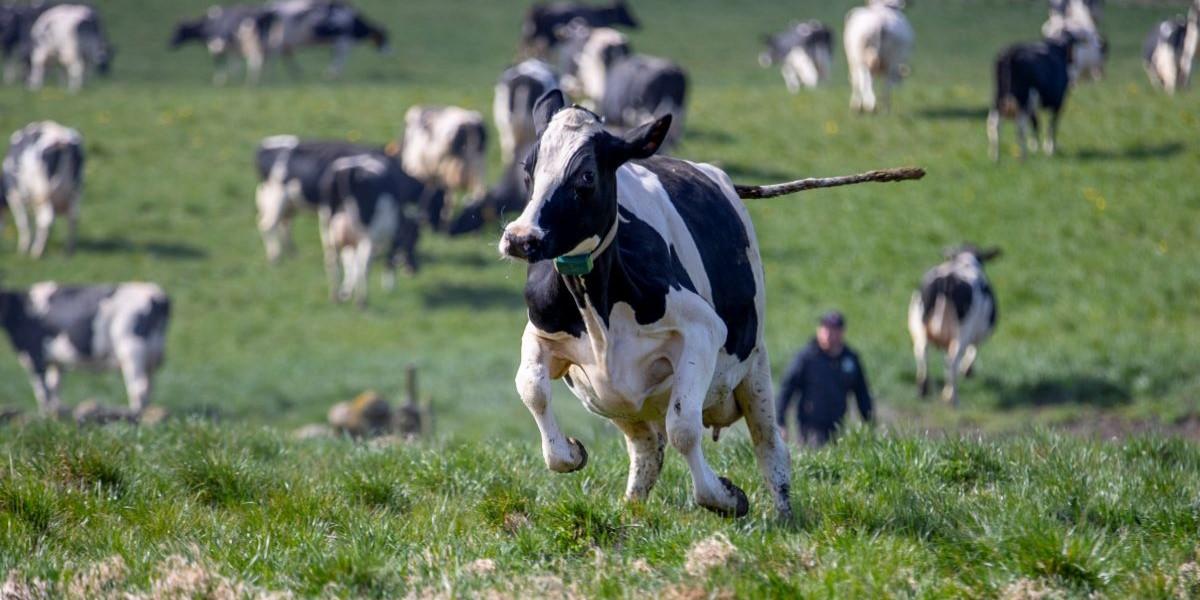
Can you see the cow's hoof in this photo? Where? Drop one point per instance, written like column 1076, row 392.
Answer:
column 742, row 503
column 583, row 455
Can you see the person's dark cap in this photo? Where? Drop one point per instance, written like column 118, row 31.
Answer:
column 833, row 318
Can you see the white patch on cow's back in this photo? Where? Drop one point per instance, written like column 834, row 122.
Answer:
column 280, row 142
column 39, row 296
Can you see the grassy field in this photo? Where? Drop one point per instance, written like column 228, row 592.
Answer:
column 1099, row 326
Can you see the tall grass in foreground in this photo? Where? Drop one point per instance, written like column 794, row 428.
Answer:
column 232, row 509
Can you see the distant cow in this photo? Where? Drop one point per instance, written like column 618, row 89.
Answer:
column 955, row 310
column 519, row 87
column 72, row 36
column 1170, row 49
column 361, row 211
column 629, row 88
column 803, row 52
column 539, row 33
column 43, row 178
column 54, row 326
column 501, row 202
column 290, row 25
column 445, row 147
column 1029, row 77
column 227, row 32
column 878, row 41
column 1079, row 19
column 16, row 40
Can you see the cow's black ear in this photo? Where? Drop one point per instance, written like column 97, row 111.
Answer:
column 643, row 141
column 550, row 103
column 989, row 254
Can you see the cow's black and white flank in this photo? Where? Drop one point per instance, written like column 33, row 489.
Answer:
column 803, row 52
column 878, row 40
column 43, row 179
column 16, row 40
column 70, row 35
column 1170, row 49
column 228, row 32
column 1029, row 77
column 290, row 25
column 627, row 88
column 954, row 310
column 518, row 88
column 543, row 22
column 54, row 326
column 363, row 208
column 445, row 147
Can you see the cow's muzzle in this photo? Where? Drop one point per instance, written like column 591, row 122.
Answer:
column 523, row 246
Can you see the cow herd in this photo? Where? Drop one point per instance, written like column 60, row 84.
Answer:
column 645, row 288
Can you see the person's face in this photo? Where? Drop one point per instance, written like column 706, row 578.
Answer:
column 830, row 338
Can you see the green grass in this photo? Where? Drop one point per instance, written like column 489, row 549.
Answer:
column 1099, row 323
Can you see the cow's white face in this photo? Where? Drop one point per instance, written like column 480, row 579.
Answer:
column 571, row 175
column 274, row 217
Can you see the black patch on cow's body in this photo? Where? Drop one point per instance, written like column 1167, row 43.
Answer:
column 811, row 35
column 957, row 292
column 1026, row 71
column 469, row 139
column 551, row 308
column 72, row 311
column 368, row 191
column 154, row 320
column 64, row 160
column 724, row 246
column 24, row 329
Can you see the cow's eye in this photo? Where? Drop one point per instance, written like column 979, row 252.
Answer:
column 587, row 179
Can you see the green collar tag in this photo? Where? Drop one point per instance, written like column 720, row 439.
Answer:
column 577, row 265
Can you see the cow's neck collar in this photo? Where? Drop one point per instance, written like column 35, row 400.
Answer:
column 578, row 265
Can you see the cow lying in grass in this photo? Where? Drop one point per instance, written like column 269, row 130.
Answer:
column 645, row 296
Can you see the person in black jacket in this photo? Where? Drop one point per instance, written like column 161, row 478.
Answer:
column 820, row 377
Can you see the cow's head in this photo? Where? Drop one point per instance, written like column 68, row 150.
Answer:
column 571, row 174
column 188, row 31
column 972, row 252
column 276, row 206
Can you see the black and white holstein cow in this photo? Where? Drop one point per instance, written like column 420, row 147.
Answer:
column 1170, row 49
column 955, row 310
column 445, row 147
column 518, row 88
column 16, row 40
column 290, row 25
column 43, row 178
column 878, row 41
column 627, row 88
column 54, row 326
column 70, row 35
column 228, row 32
column 1029, row 77
column 1080, row 19
column 803, row 52
column 645, row 296
column 540, row 32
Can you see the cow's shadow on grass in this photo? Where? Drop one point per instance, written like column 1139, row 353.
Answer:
column 120, row 245
column 1135, row 152
column 954, row 113
column 471, row 296
column 1087, row 390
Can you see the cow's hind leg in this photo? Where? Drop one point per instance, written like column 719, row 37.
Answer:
column 134, row 360
column 993, row 132
column 645, row 442
column 362, row 268
column 72, row 226
column 562, row 454
column 757, row 403
column 21, row 219
column 1051, row 141
column 967, row 366
column 954, row 357
column 44, row 219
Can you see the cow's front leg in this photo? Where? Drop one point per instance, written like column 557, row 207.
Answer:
column 362, row 267
column 329, row 252
column 72, row 226
column 75, row 73
column 44, row 219
column 685, row 426
column 562, row 454
column 754, row 397
column 644, row 441
column 39, row 378
column 21, row 218
column 954, row 357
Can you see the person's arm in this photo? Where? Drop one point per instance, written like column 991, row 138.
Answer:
column 861, row 393
column 788, row 388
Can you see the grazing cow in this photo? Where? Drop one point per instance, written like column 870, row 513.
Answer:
column 506, row 198
column 290, row 25
column 227, row 32
column 445, row 147
column 1028, row 77
column 1079, row 19
column 878, row 41
column 519, row 87
column 955, row 310
column 16, row 41
column 803, row 52
column 1170, row 49
column 43, row 178
column 72, row 36
column 361, row 211
column 540, row 31
column 54, row 326
column 629, row 88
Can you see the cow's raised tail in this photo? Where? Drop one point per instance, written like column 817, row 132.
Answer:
column 747, row 192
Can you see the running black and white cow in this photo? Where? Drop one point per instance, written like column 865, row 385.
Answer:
column 1029, row 77
column 519, row 87
column 540, row 30
column 445, row 147
column 627, row 88
column 955, row 310
column 878, row 40
column 645, row 295
column 70, row 35
column 803, row 52
column 290, row 25
column 365, row 206
column 54, row 327
column 16, row 41
column 43, row 179
column 228, row 32
column 1170, row 49
column 1079, row 19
